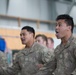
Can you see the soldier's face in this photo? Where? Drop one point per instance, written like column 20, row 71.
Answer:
column 25, row 36
column 50, row 44
column 61, row 29
column 40, row 40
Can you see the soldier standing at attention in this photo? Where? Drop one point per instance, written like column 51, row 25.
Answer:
column 28, row 60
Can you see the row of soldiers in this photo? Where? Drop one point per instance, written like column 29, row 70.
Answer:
column 44, row 40
column 36, row 59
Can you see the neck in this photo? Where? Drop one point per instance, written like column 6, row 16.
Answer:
column 65, row 39
column 29, row 44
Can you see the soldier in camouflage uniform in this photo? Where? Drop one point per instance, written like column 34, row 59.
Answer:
column 64, row 61
column 41, row 39
column 27, row 60
column 3, row 60
column 66, row 52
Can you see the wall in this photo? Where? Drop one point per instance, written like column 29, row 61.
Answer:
column 3, row 6
column 29, row 8
column 35, row 9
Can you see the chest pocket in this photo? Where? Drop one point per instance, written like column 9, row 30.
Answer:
column 29, row 64
column 31, row 58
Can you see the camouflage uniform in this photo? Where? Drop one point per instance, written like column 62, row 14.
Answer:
column 27, row 60
column 64, row 61
column 66, row 57
column 3, row 60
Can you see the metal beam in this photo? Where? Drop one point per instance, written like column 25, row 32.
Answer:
column 70, row 7
column 7, row 5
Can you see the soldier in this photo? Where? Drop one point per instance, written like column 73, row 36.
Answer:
column 50, row 43
column 64, row 61
column 3, row 60
column 41, row 39
column 66, row 52
column 28, row 60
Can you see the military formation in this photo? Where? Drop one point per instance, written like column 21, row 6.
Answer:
column 37, row 59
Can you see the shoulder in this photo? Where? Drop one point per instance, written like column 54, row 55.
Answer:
column 73, row 42
column 51, row 50
column 58, row 47
column 3, row 59
column 39, row 47
column 20, row 53
column 2, row 54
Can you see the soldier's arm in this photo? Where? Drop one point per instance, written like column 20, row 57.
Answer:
column 49, row 61
column 47, row 55
column 74, row 72
column 3, row 60
column 13, row 70
column 48, row 68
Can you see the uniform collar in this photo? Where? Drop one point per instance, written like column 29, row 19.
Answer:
column 68, row 42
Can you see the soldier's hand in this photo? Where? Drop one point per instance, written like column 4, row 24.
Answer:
column 40, row 65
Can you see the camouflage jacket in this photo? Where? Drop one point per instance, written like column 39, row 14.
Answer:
column 3, row 60
column 66, row 58
column 64, row 61
column 27, row 60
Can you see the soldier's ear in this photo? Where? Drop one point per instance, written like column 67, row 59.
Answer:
column 69, row 27
column 32, row 34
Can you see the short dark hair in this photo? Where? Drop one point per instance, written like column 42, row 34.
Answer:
column 68, row 19
column 43, row 37
column 29, row 29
